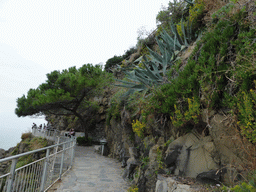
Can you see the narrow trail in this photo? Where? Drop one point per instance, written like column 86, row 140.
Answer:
column 92, row 172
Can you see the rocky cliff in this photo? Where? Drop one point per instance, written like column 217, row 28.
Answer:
column 199, row 122
column 27, row 143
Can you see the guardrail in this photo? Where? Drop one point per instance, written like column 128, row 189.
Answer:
column 41, row 174
column 50, row 134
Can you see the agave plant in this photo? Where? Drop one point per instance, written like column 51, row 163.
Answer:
column 142, row 79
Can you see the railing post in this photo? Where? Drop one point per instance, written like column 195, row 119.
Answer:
column 44, row 136
column 73, row 151
column 62, row 161
column 55, row 133
column 54, row 159
column 12, row 175
column 45, row 170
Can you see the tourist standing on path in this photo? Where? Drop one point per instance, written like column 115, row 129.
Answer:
column 72, row 132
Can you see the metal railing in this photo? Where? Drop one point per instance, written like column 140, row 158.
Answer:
column 50, row 134
column 41, row 174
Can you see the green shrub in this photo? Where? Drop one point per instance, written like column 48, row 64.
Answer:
column 247, row 115
column 24, row 160
column 191, row 114
column 83, row 141
column 26, row 136
column 115, row 106
column 37, row 143
column 219, row 71
column 133, row 188
column 116, row 60
column 249, row 186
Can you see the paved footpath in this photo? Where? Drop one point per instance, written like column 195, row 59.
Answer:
column 92, row 172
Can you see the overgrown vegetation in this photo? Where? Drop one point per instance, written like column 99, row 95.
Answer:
column 219, row 74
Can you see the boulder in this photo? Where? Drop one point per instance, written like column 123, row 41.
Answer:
column 153, row 157
column 225, row 137
column 234, row 153
column 212, row 176
column 161, row 186
column 174, row 186
column 170, row 185
column 23, row 147
column 191, row 155
column 172, row 155
column 132, row 163
column 2, row 153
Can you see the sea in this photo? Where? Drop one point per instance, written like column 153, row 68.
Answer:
column 12, row 127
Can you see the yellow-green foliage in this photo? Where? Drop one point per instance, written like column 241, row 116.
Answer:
column 244, row 187
column 168, row 142
column 196, row 10
column 133, row 189
column 32, row 144
column 115, row 106
column 179, row 30
column 247, row 116
column 37, row 143
column 144, row 50
column 192, row 113
column 24, row 160
column 138, row 128
column 124, row 63
column 159, row 158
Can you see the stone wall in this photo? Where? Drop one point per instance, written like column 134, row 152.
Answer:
column 211, row 153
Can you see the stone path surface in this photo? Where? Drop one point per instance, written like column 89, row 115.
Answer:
column 92, row 172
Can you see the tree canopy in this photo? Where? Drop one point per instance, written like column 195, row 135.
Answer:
column 112, row 62
column 64, row 93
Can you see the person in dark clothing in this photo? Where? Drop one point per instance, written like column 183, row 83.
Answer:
column 72, row 132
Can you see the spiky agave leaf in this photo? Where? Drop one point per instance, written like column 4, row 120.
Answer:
column 190, row 2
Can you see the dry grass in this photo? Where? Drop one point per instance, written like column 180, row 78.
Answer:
column 211, row 6
column 26, row 135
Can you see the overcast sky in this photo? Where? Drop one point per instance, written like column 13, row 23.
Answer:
column 39, row 36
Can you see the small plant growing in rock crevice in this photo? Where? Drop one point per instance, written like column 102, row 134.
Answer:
column 191, row 114
column 159, row 158
column 133, row 188
column 139, row 128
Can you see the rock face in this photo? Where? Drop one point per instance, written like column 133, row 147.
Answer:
column 2, row 153
column 207, row 157
column 189, row 155
column 132, row 163
column 3, row 166
column 170, row 185
column 119, row 137
column 20, row 148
